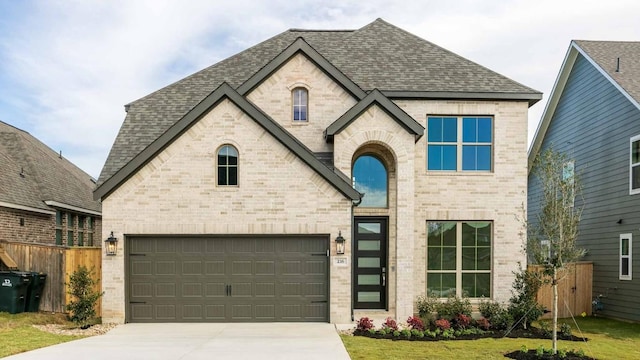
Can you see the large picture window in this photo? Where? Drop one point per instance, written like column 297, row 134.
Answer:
column 634, row 166
column 459, row 143
column 459, row 258
column 227, row 166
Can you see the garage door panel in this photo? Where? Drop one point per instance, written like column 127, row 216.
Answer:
column 265, row 290
column 190, row 290
column 165, row 290
column 216, row 290
column 264, row 267
column 142, row 290
column 166, row 267
column 165, row 312
column 215, row 267
column 192, row 267
column 233, row 279
column 141, row 267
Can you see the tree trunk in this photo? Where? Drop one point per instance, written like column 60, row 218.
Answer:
column 554, row 284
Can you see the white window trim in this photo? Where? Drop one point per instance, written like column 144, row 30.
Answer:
column 293, row 105
column 631, row 190
column 630, row 237
column 459, row 144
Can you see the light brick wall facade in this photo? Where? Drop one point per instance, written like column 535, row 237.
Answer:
column 327, row 100
column 498, row 196
column 176, row 193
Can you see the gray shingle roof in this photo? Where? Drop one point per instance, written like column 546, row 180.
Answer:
column 606, row 54
column 32, row 173
column 378, row 55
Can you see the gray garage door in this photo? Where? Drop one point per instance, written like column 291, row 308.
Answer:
column 230, row 279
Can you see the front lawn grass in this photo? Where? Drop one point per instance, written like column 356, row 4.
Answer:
column 608, row 339
column 18, row 335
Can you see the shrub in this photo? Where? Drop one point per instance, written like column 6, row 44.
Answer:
column 415, row 323
column 462, row 321
column 454, row 306
column 427, row 306
column 364, row 324
column 496, row 314
column 523, row 307
column 483, row 323
column 389, row 323
column 565, row 329
column 84, row 298
column 489, row 309
column 443, row 324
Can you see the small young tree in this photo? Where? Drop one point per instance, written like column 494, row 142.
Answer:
column 81, row 288
column 552, row 238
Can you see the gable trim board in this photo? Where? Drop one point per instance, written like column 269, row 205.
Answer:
column 558, row 90
column 375, row 97
column 301, row 46
column 222, row 92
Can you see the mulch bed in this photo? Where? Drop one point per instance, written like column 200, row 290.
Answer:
column 531, row 333
column 532, row 355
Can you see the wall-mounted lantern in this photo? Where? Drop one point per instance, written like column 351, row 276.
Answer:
column 111, row 245
column 340, row 244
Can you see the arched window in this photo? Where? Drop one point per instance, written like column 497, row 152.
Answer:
column 300, row 104
column 228, row 166
column 370, row 178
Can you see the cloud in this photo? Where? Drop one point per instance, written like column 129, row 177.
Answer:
column 67, row 68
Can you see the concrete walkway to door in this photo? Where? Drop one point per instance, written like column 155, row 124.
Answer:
column 308, row 341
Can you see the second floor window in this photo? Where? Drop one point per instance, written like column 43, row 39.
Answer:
column 228, row 166
column 459, row 143
column 300, row 104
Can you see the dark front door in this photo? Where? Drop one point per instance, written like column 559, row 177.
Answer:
column 370, row 263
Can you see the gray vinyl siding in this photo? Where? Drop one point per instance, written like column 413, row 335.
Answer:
column 593, row 124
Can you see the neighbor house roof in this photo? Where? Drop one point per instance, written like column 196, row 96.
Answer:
column 617, row 61
column 377, row 56
column 35, row 178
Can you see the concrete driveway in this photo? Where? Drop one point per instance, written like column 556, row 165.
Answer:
column 201, row 341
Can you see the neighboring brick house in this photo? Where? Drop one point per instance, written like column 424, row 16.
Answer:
column 229, row 191
column 44, row 198
column 593, row 117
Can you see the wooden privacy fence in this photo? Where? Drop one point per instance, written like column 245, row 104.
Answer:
column 58, row 263
column 574, row 291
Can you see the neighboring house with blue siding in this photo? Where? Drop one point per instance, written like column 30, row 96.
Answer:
column 593, row 116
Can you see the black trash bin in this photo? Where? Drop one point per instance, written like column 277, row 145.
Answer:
column 13, row 291
column 34, row 292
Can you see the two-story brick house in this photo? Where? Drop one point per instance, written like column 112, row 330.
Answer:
column 230, row 191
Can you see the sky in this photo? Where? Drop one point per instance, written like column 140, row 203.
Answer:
column 67, row 68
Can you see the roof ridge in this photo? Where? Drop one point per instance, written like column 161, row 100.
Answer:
column 14, row 127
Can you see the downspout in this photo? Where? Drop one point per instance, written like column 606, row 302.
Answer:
column 353, row 232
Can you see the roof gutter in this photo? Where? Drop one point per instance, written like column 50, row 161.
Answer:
column 59, row 205
column 532, row 97
column 26, row 208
